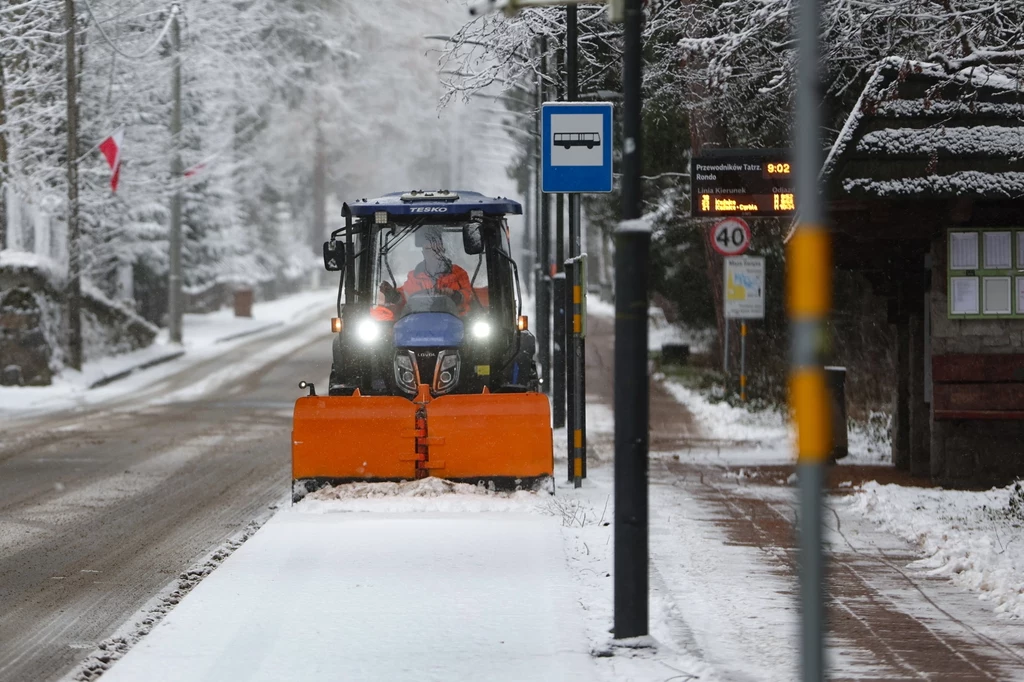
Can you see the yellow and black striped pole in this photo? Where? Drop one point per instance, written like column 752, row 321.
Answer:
column 809, row 298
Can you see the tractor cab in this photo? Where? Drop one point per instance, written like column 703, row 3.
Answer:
column 431, row 298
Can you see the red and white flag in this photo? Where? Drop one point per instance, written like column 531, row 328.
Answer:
column 195, row 170
column 111, row 148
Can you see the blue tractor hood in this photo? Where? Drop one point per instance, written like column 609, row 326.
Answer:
column 429, row 330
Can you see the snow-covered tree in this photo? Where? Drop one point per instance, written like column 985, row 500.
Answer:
column 274, row 94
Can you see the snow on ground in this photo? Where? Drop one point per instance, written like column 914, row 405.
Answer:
column 723, row 421
column 973, row 538
column 659, row 330
column 205, row 336
column 426, row 495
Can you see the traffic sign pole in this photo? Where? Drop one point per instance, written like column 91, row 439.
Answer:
column 576, row 284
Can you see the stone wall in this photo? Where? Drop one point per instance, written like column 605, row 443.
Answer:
column 33, row 324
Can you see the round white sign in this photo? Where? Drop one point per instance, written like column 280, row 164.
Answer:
column 731, row 237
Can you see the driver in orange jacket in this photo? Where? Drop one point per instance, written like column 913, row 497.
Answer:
column 437, row 273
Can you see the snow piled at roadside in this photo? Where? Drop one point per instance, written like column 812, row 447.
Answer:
column 425, row 495
column 972, row 538
column 723, row 421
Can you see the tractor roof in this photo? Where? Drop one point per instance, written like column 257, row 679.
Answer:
column 443, row 202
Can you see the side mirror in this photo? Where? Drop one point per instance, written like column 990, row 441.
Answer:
column 473, row 239
column 334, row 256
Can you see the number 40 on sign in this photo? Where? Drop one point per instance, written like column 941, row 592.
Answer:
column 730, row 237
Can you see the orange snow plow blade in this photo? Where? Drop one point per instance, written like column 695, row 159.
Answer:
column 490, row 436
column 503, row 439
column 353, row 438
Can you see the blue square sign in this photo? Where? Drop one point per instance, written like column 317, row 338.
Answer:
column 576, row 154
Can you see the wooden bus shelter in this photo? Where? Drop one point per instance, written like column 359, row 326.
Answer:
column 926, row 198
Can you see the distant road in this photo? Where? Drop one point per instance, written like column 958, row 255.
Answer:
column 101, row 508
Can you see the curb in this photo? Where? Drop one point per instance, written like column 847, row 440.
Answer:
column 250, row 332
column 131, row 370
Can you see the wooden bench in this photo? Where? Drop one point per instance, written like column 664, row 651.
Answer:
column 978, row 386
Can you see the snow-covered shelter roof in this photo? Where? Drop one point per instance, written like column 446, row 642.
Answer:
column 918, row 132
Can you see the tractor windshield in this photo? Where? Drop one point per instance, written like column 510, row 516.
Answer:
column 426, row 267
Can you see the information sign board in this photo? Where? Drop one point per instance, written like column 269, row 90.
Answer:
column 744, row 288
column 750, row 182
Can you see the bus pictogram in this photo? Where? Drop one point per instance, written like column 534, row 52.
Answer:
column 588, row 140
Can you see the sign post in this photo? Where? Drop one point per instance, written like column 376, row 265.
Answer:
column 576, row 158
column 744, row 300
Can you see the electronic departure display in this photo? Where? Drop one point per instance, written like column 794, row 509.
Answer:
column 748, row 182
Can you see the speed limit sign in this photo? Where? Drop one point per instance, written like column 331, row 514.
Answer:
column 730, row 237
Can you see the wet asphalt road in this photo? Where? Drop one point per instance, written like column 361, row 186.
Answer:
column 101, row 508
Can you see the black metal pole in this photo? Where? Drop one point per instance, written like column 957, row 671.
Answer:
column 559, row 349
column 559, row 230
column 527, row 242
column 632, row 248
column 571, row 421
column 576, row 350
column 544, row 252
column 558, row 287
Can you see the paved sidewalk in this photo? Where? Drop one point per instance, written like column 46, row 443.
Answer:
column 887, row 622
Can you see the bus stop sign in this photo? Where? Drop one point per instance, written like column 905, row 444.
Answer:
column 576, row 153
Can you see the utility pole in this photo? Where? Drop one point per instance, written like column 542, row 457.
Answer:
column 558, row 293
column 174, row 307
column 632, row 401
column 73, row 292
column 544, row 249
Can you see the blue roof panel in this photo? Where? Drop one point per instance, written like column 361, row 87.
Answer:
column 467, row 201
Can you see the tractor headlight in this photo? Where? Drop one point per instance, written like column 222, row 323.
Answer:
column 368, row 330
column 446, row 376
column 481, row 329
column 405, row 372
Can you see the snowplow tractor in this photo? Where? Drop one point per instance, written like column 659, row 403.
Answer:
column 433, row 370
